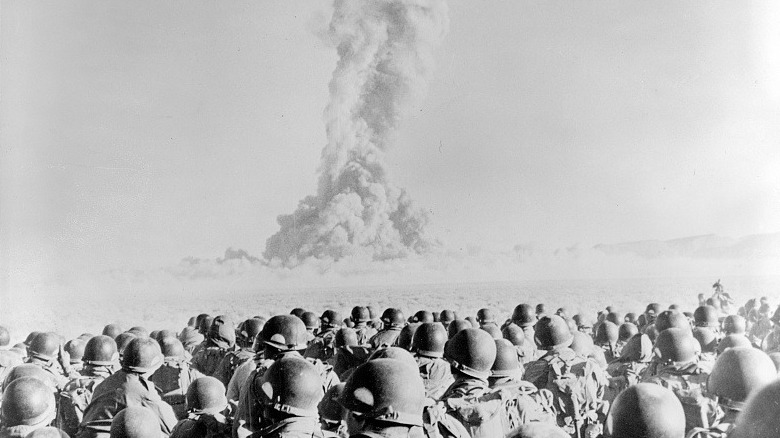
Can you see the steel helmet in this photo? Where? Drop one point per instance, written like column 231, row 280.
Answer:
column 541, row 310
column 630, row 317
column 139, row 331
column 446, row 316
column 730, row 341
column 485, row 316
column 135, row 422
column 734, row 324
column 142, row 355
column 551, row 332
column 27, row 401
column 206, row 395
column 582, row 344
column 222, row 332
column 28, row 370
column 346, row 337
column 514, row 334
column 436, row 316
column 493, row 331
column 205, row 325
column 506, row 363
column 405, row 338
column 615, row 318
column 292, row 386
column 524, row 315
column 101, row 351
column 199, row 319
column 297, row 312
column 5, row 337
column 330, row 319
column 738, row 372
column 582, row 321
column 675, row 345
column 761, row 416
column 123, row 340
column 372, row 312
column 386, row 390
column 360, row 314
column 44, row 346
column 250, row 329
column 310, row 320
column 626, row 331
column 472, row 352
column 285, row 333
column 396, row 353
column 30, row 338
column 172, row 347
column 671, row 319
column 706, row 316
column 652, row 309
column 607, row 334
column 423, row 316
column 645, row 410
column 164, row 333
column 651, row 331
column 393, row 318
column 330, row 409
column 154, row 334
column 457, row 325
column 75, row 349
column 429, row 340
column 706, row 338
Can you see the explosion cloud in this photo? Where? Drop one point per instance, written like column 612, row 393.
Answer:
column 385, row 61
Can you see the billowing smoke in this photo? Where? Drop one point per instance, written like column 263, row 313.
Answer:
column 385, row 61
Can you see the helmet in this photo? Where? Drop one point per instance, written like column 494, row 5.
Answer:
column 222, row 332
column 524, row 315
column 205, row 325
column 514, row 334
column 360, row 314
column 310, row 320
column 552, row 333
column 75, row 349
column 541, row 310
column 27, row 401
column 30, row 338
column 645, row 410
column 651, row 331
column 162, row 334
column 28, row 370
column 44, row 346
column 396, row 353
column 582, row 344
column 172, row 347
column 139, row 331
column 330, row 319
column 199, row 319
column 485, row 316
column 457, row 325
column 436, row 316
column 734, row 324
column 653, row 309
column 5, row 337
column 472, row 352
column 47, row 432
column 538, row 430
column 638, row 349
column 285, row 333
column 506, row 363
column 329, row 408
column 671, row 318
column 626, row 331
column 492, row 330
column 386, row 390
column 739, row 371
column 607, row 333
column 142, row 355
column 675, row 345
column 393, row 318
column 706, row 316
column 423, row 316
column 346, row 337
column 581, row 321
column 250, row 329
column 100, row 351
column 429, row 340
column 348, row 322
column 371, row 312
column 297, row 312
column 135, row 422
column 291, row 385
column 472, row 321
column 123, row 340
column 190, row 336
column 192, row 322
column 446, row 316
column 761, row 416
column 405, row 338
column 154, row 334
column 706, row 338
column 730, row 341
column 630, row 317
column 206, row 395
column 615, row 318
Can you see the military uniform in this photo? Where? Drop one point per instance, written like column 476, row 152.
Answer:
column 436, row 375
column 172, row 380
column 207, row 359
column 385, row 338
column 323, row 347
column 230, row 363
column 77, row 395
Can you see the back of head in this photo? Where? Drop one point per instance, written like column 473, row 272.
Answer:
column 761, row 416
column 739, row 371
column 429, row 339
column 250, row 329
column 297, row 312
column 615, row 318
column 291, row 386
column 112, row 330
column 457, row 325
column 551, row 332
column 330, row 319
column 472, row 352
column 139, row 331
column 645, row 410
column 27, row 401
column 135, row 422
column 675, row 345
column 446, row 316
column 405, row 339
column 205, row 325
column 582, row 344
column 734, row 324
column 493, row 331
column 142, row 355
column 206, row 395
column 163, row 334
column 101, row 351
column 524, row 315
column 506, row 363
column 731, row 341
column 329, row 408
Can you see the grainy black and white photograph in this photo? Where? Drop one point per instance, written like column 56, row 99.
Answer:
column 389, row 218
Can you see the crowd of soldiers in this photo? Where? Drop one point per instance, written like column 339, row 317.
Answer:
column 663, row 373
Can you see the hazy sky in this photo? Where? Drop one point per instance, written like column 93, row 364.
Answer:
column 137, row 133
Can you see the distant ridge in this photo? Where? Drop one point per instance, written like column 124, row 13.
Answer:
column 708, row 246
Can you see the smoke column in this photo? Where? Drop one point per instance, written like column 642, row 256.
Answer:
column 385, row 62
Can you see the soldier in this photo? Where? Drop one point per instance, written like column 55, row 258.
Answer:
column 708, row 345
column 46, row 352
column 361, row 317
column 625, row 332
column 235, row 358
column 135, row 422
column 190, row 338
column 761, row 416
column 446, row 316
column 737, row 373
column 706, row 316
column 762, row 327
column 207, row 411
column 311, row 321
column 323, row 347
column 349, row 355
column 100, row 359
column 486, row 317
column 289, row 393
column 541, row 311
column 506, row 369
column 122, row 341
column 422, row 316
column 730, row 341
column 174, row 376
column 28, row 405
column 332, row 414
column 584, row 324
column 651, row 311
column 393, row 321
column 577, row 383
column 407, row 334
column 629, row 367
column 526, row 350
column 671, row 318
column 606, row 338
column 524, row 317
column 734, row 324
column 428, row 348
column 75, row 349
column 646, row 411
column 8, row 358
column 385, row 399
column 221, row 340
column 457, row 325
column 128, row 387
column 471, row 353
column 30, row 370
